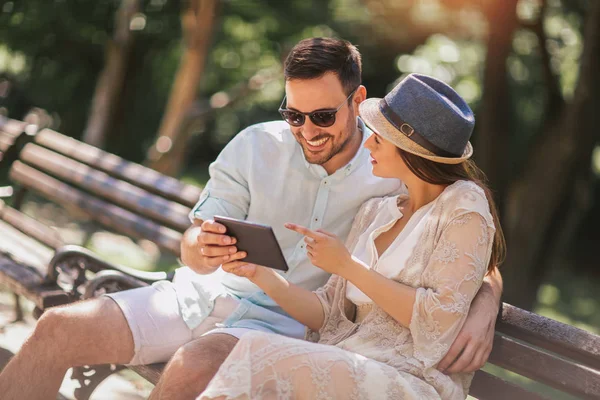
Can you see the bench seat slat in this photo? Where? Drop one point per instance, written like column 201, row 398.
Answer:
column 489, row 387
column 551, row 335
column 28, row 282
column 116, row 191
column 109, row 215
column 144, row 177
column 150, row 372
column 549, row 369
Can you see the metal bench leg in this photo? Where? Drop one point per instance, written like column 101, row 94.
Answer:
column 90, row 377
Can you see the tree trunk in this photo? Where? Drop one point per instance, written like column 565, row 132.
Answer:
column 534, row 215
column 167, row 154
column 112, row 78
column 494, row 124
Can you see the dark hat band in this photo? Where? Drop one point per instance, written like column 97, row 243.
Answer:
column 410, row 132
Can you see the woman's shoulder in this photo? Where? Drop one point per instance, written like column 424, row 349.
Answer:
column 370, row 209
column 374, row 204
column 466, row 197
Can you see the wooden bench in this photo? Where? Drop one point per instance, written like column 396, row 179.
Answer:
column 124, row 197
column 141, row 203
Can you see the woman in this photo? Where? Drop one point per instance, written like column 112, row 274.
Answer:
column 397, row 299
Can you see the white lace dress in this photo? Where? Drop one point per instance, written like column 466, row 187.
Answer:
column 362, row 352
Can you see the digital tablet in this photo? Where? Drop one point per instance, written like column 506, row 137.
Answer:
column 257, row 240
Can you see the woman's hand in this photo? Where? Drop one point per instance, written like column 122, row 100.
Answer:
column 241, row 268
column 238, row 267
column 266, row 278
column 324, row 249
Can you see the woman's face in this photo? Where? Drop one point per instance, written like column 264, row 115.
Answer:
column 386, row 161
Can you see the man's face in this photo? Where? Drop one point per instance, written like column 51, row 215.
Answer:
column 319, row 144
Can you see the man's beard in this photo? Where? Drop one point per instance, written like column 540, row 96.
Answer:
column 325, row 155
column 336, row 145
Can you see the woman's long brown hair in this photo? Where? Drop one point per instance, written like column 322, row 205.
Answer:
column 446, row 174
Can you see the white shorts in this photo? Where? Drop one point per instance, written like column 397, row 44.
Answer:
column 157, row 326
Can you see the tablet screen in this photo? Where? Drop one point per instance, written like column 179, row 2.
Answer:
column 257, row 240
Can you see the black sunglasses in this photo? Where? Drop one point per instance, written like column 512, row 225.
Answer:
column 322, row 118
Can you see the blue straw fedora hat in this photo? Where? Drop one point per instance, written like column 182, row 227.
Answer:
column 423, row 116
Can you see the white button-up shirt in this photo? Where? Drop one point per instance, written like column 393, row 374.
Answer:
column 262, row 176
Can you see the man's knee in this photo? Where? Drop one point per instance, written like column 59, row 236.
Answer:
column 201, row 358
column 97, row 325
column 50, row 327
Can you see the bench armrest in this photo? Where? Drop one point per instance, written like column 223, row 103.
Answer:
column 91, row 262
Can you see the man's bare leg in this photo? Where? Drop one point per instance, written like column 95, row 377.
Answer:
column 85, row 333
column 193, row 366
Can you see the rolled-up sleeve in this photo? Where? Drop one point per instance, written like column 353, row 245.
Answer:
column 227, row 192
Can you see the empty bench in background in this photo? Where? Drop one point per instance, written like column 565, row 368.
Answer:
column 133, row 200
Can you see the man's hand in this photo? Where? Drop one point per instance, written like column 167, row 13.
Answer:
column 205, row 247
column 473, row 345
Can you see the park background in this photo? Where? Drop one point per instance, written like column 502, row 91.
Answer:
column 168, row 83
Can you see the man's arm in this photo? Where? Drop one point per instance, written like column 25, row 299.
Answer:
column 204, row 247
column 473, row 345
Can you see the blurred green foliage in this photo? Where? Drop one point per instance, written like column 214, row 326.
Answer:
column 54, row 50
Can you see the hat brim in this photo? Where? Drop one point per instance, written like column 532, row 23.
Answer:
column 374, row 119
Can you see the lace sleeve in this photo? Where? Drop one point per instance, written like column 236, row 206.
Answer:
column 450, row 280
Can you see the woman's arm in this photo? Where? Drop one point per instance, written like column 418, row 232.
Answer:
column 327, row 252
column 386, row 293
column 303, row 305
column 435, row 312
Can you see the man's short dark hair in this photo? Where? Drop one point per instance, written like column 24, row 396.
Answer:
column 312, row 58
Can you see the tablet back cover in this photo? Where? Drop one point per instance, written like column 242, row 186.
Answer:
column 258, row 241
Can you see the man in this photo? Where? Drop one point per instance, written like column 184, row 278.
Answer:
column 311, row 170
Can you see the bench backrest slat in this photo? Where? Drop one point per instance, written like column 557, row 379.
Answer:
column 551, row 335
column 118, row 192
column 31, row 227
column 550, row 369
column 110, row 215
column 111, row 164
column 489, row 387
